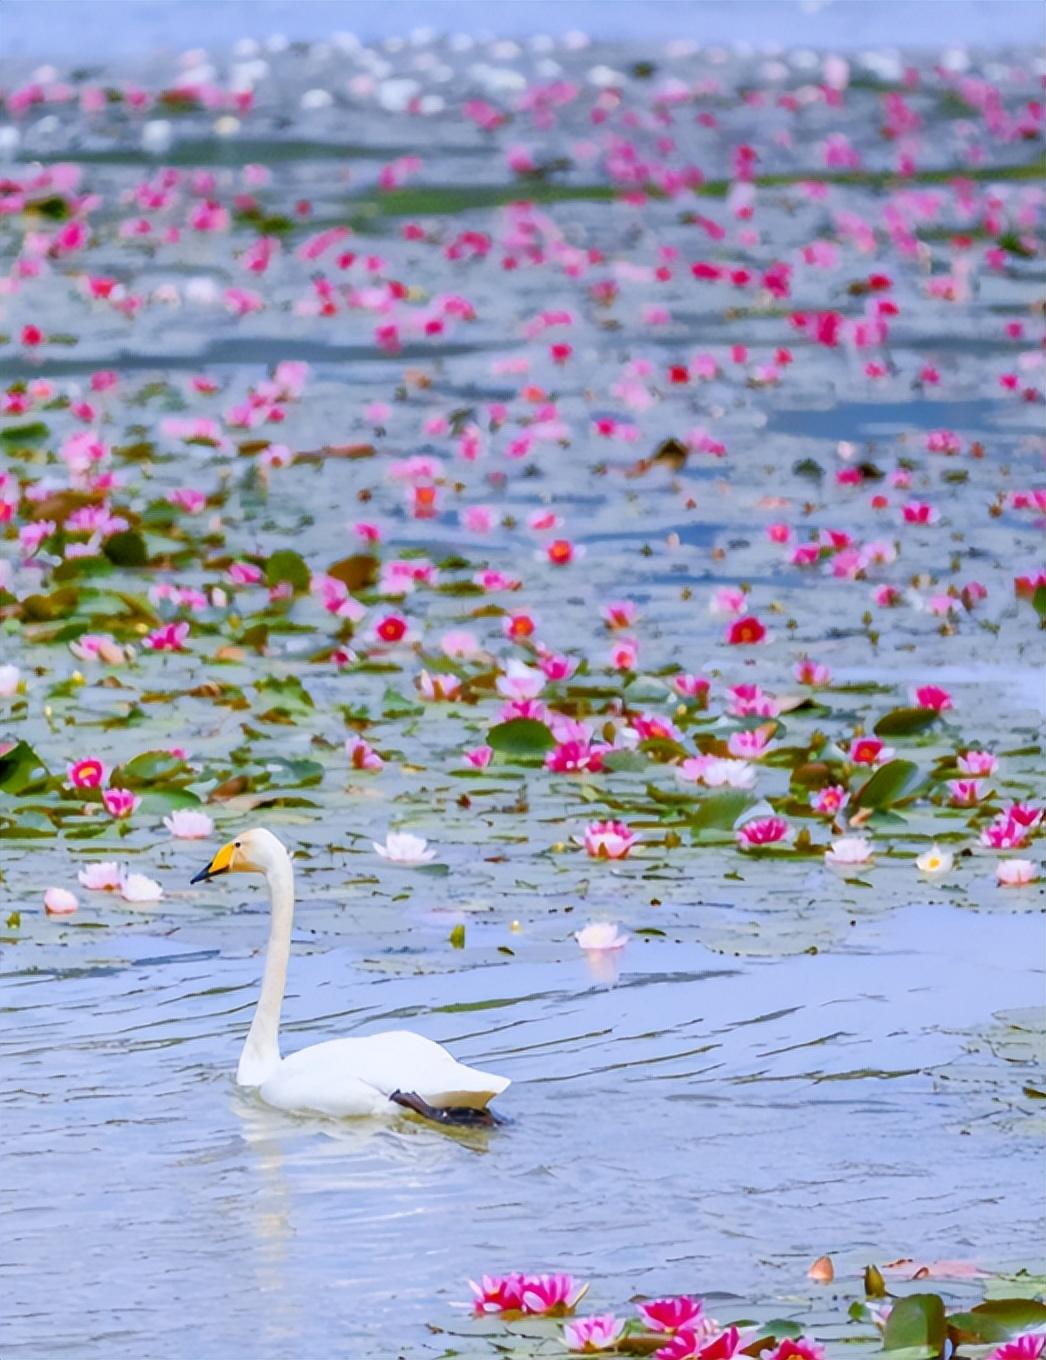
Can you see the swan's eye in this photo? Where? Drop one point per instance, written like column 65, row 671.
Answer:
column 236, row 845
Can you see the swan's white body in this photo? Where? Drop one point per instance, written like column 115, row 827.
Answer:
column 343, row 1077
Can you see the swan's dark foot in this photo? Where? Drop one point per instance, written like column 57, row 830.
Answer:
column 463, row 1115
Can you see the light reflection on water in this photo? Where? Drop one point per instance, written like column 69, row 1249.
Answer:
column 697, row 1110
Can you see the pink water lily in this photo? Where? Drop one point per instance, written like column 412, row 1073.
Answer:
column 437, row 688
column 934, row 698
column 1030, row 1346
column 870, row 751
column 86, row 774
column 170, row 638
column 762, row 831
column 591, row 1335
column 977, row 763
column 120, row 803
column 362, row 756
column 673, row 1314
column 829, row 801
column 608, row 840
column 545, row 1295
column 689, row 1344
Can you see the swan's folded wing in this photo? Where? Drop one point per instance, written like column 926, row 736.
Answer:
column 356, row 1076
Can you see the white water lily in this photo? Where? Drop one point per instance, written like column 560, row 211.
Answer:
column 403, row 848
column 935, row 861
column 1016, row 873
column 10, row 677
column 849, row 850
column 601, row 935
column 140, row 888
column 104, row 876
column 187, row 825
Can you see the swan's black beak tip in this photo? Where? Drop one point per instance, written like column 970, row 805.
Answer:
column 204, row 876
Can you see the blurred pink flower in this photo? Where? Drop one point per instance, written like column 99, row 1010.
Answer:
column 977, row 762
column 870, row 751
column 829, row 801
column 60, row 902
column 438, row 688
column 933, row 697
column 170, row 638
column 1016, row 873
column 362, row 756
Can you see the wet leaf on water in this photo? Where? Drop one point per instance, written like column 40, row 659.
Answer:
column 620, row 761
column 891, row 783
column 720, row 811
column 521, row 737
column 292, row 694
column 21, row 770
column 288, row 567
column 30, row 433
column 58, row 605
column 917, row 1321
column 396, row 705
column 356, row 572
column 457, row 937
column 905, row 722
column 998, row 1320
column 150, row 768
column 126, row 549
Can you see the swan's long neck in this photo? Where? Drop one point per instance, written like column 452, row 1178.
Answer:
column 261, row 1052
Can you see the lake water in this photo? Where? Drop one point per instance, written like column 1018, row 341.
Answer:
column 785, row 1060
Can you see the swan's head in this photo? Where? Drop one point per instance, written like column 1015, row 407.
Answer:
column 254, row 852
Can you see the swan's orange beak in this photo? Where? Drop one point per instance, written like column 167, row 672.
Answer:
column 220, row 864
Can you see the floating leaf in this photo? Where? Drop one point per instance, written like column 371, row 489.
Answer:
column 150, row 768
column 457, row 937
column 31, row 433
column 891, row 783
column 998, row 1320
column 289, row 690
column 21, row 770
column 521, row 737
column 287, row 566
column 905, row 722
column 356, row 572
column 720, row 811
column 620, row 761
column 917, row 1321
column 126, row 549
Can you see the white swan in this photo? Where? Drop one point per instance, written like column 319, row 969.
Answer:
column 369, row 1076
